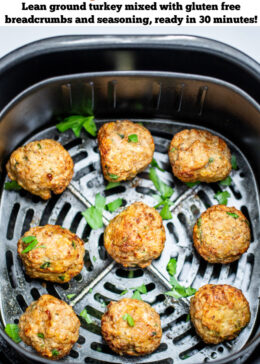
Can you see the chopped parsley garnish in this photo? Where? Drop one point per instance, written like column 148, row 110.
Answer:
column 76, row 123
column 40, row 335
column 129, row 319
column 124, row 292
column 32, row 241
column 111, row 185
column 84, row 314
column 235, row 216
column 226, row 182
column 173, row 150
column 45, row 265
column 199, row 222
column 171, row 266
column 165, row 190
column 192, row 184
column 211, row 160
column 114, row 205
column 234, row 162
column 12, row 331
column 90, row 290
column 71, row 295
column 188, row 318
column 177, row 290
column 94, row 258
column 74, row 244
column 222, row 197
column 94, row 214
column 137, row 296
column 12, row 186
column 131, row 274
column 165, row 211
column 156, row 165
column 142, row 289
column 62, row 278
column 55, row 352
column 121, row 135
column 39, row 146
column 113, row 176
column 133, row 138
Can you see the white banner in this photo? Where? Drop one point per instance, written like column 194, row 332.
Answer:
column 146, row 13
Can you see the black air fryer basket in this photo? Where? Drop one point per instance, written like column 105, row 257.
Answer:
column 169, row 83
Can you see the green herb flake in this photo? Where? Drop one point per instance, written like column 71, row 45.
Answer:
column 40, row 335
column 32, row 241
column 12, row 186
column 39, row 146
column 133, row 138
column 156, row 165
column 165, row 190
column 235, row 216
column 90, row 290
column 192, row 184
column 124, row 292
column 28, row 239
column 55, row 352
column 131, row 274
column 172, row 150
column 211, row 160
column 111, row 185
column 94, row 258
column 180, row 291
column 142, row 289
column 188, row 318
column 12, row 331
column 171, row 266
column 74, row 245
column 199, row 222
column 45, row 265
column 84, row 314
column 226, row 182
column 165, row 212
column 234, row 162
column 71, row 295
column 62, row 278
column 94, row 214
column 137, row 296
column 222, row 197
column 121, row 135
column 113, row 176
column 76, row 123
column 154, row 333
column 129, row 319
column 114, row 205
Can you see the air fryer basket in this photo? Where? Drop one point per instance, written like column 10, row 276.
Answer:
column 165, row 103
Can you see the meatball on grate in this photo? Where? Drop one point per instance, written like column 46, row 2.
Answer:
column 198, row 155
column 50, row 326
column 57, row 254
column 131, row 327
column 126, row 149
column 221, row 234
column 219, row 312
column 136, row 236
column 40, row 167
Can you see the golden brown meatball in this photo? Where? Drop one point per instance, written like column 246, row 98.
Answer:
column 50, row 326
column 125, row 149
column 221, row 234
column 131, row 327
column 136, row 236
column 197, row 155
column 219, row 312
column 40, row 167
column 57, row 254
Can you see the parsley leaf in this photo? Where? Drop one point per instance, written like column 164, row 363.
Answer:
column 226, row 182
column 165, row 190
column 235, row 216
column 142, row 289
column 93, row 214
column 133, row 138
column 171, row 266
column 71, row 295
column 137, row 296
column 41, row 335
column 100, row 201
column 188, row 318
column 55, row 352
column 45, row 265
column 32, row 241
column 62, row 278
column 192, row 184
column 165, row 211
column 124, row 292
column 12, row 186
column 199, row 222
column 84, row 314
column 222, row 197
column 111, row 185
column 76, row 123
column 28, row 239
column 129, row 319
column 156, row 165
column 112, row 176
column 12, row 331
column 234, row 162
column 114, row 205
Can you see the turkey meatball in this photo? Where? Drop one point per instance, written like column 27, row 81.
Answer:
column 219, row 312
column 131, row 327
column 50, row 326
column 51, row 253
column 198, row 155
column 136, row 236
column 221, row 234
column 40, row 167
column 125, row 149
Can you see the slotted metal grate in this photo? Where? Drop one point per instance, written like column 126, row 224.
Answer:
column 20, row 210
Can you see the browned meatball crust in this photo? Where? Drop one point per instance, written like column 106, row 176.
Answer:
column 198, row 155
column 221, row 234
column 40, row 167
column 136, row 236
column 50, row 326
column 219, row 312
column 57, row 257
column 141, row 338
column 125, row 149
